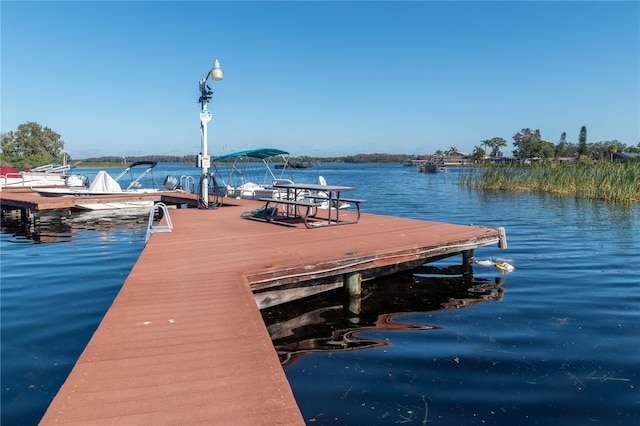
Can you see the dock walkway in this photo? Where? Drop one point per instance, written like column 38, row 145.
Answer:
column 184, row 341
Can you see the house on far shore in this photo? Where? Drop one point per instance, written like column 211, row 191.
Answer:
column 625, row 156
column 501, row 160
column 458, row 159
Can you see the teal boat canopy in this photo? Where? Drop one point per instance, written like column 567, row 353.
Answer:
column 261, row 154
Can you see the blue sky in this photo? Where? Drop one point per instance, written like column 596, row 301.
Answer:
column 320, row 78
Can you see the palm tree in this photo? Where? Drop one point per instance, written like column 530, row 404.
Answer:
column 478, row 153
column 496, row 144
column 613, row 149
column 485, row 143
column 490, row 144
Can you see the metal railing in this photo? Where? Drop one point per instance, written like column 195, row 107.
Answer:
column 155, row 219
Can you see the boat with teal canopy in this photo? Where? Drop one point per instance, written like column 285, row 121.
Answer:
column 261, row 154
column 249, row 174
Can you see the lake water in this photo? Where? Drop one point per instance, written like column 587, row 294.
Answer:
column 555, row 342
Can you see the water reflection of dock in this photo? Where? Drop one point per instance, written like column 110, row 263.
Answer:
column 57, row 229
column 332, row 324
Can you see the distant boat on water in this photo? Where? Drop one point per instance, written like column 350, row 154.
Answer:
column 432, row 168
column 292, row 165
column 435, row 164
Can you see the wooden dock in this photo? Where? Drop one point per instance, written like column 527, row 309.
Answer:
column 184, row 341
column 32, row 205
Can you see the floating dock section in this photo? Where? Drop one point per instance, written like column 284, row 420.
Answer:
column 184, row 341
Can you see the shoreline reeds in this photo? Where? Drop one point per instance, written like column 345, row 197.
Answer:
column 617, row 182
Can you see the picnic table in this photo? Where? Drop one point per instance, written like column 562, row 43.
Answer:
column 304, row 199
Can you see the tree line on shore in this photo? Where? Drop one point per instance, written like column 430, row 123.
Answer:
column 32, row 145
column 303, row 159
column 529, row 144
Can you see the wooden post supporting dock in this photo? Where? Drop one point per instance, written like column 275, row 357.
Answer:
column 467, row 257
column 355, row 306
column 502, row 235
column 353, row 283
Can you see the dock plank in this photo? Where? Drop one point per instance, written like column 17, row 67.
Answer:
column 184, row 341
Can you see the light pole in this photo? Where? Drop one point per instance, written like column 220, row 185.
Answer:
column 205, row 116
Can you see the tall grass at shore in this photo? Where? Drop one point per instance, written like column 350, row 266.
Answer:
column 603, row 181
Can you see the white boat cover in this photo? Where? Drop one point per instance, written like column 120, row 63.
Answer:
column 104, row 183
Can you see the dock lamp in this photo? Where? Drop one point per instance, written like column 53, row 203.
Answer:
column 205, row 116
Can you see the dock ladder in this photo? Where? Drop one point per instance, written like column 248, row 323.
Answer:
column 154, row 220
column 187, row 183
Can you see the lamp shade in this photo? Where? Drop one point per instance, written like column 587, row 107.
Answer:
column 216, row 73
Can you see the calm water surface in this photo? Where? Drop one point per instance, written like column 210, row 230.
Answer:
column 553, row 342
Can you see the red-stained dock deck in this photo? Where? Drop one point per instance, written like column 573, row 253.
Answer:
column 184, row 341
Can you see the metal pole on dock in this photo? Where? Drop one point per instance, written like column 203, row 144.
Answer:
column 205, row 116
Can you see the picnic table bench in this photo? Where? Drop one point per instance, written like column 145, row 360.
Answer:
column 334, row 201
column 307, row 204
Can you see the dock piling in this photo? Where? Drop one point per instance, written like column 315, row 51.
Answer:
column 353, row 283
column 502, row 235
column 355, row 307
column 467, row 258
